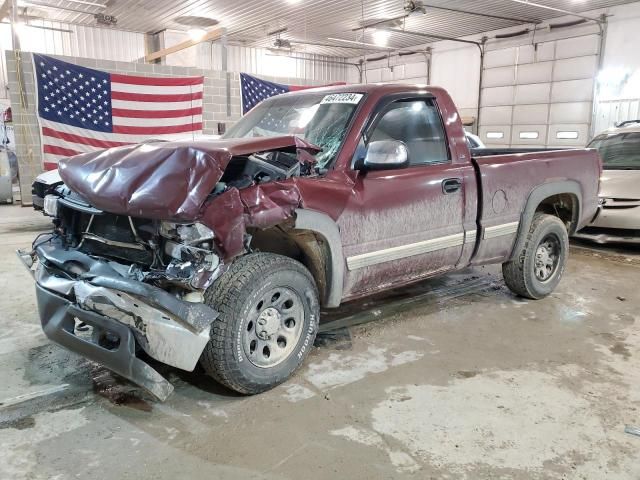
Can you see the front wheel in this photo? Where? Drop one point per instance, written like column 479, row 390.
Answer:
column 268, row 321
column 537, row 268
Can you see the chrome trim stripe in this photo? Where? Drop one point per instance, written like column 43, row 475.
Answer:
column 404, row 251
column 470, row 236
column 500, row 230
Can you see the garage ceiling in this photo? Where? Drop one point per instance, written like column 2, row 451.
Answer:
column 314, row 21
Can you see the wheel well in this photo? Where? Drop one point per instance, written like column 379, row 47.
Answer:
column 305, row 246
column 564, row 206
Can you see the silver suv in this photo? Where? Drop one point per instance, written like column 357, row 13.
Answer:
column 618, row 218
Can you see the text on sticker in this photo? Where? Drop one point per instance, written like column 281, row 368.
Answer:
column 342, row 98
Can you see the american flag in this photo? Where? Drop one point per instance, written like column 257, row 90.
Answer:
column 82, row 110
column 254, row 90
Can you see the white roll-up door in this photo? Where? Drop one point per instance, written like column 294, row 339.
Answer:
column 539, row 95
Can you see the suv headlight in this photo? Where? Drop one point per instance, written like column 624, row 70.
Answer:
column 51, row 205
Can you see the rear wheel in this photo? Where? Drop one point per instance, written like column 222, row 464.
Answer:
column 269, row 315
column 538, row 266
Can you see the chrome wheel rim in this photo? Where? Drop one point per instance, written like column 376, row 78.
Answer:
column 274, row 327
column 547, row 258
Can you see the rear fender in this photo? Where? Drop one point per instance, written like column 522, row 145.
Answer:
column 536, row 197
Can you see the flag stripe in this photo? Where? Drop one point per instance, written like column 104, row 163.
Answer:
column 159, row 81
column 126, row 88
column 116, row 137
column 157, row 122
column 70, row 137
column 144, row 97
column 65, row 152
column 50, row 165
column 184, row 112
column 76, row 146
column 124, row 104
column 156, row 130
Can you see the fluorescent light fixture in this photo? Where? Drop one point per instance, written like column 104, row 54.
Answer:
column 381, row 37
column 196, row 33
column 529, row 135
column 495, row 135
column 84, row 2
column 567, row 135
column 353, row 42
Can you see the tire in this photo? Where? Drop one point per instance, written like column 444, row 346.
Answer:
column 538, row 267
column 258, row 340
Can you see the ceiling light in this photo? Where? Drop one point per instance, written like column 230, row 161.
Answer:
column 84, row 2
column 380, row 37
column 354, row 42
column 196, row 33
column 195, row 21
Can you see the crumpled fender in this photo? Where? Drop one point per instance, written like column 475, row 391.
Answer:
column 270, row 204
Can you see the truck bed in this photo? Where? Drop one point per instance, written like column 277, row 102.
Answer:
column 509, row 177
column 486, row 152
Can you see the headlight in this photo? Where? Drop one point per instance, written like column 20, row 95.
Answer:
column 51, row 205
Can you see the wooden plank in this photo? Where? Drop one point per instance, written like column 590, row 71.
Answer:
column 214, row 34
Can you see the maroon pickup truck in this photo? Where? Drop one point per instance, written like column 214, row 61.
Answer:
column 223, row 252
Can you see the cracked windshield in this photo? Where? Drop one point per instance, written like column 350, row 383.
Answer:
column 319, row 119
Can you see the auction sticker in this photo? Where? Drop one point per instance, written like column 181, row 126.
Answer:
column 342, row 98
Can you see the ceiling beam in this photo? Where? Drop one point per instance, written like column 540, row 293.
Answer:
column 211, row 35
column 554, row 9
column 480, row 14
column 449, row 9
column 430, row 35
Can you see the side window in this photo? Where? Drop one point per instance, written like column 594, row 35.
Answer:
column 418, row 124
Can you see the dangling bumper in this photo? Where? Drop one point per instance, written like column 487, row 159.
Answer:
column 124, row 315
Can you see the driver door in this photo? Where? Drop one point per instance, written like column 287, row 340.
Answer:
column 405, row 223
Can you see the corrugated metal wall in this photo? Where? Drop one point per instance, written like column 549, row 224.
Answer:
column 259, row 61
column 87, row 42
column 264, row 62
column 611, row 112
column 118, row 45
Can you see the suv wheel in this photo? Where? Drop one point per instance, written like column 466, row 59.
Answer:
column 537, row 268
column 268, row 321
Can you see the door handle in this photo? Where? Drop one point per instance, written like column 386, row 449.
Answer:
column 451, row 185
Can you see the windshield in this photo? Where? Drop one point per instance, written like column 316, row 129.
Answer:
column 619, row 151
column 317, row 118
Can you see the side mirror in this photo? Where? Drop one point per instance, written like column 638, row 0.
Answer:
column 386, row 155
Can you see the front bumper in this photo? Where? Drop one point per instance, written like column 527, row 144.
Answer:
column 123, row 314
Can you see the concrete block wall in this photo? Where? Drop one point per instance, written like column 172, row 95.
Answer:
column 28, row 146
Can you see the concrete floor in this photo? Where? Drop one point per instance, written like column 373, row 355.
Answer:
column 454, row 378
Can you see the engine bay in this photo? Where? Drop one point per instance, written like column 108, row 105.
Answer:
column 243, row 171
column 177, row 256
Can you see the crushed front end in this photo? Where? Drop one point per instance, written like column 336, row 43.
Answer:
column 109, row 286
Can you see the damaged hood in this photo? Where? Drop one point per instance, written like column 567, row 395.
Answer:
column 164, row 180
